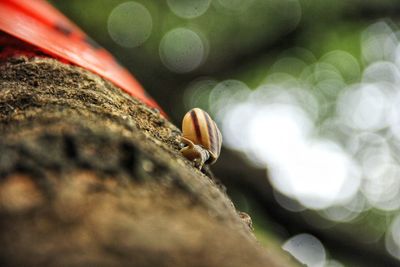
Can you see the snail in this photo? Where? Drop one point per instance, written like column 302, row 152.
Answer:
column 202, row 138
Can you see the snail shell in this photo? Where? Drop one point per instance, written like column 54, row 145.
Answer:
column 199, row 128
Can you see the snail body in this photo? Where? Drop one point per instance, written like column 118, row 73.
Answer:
column 201, row 136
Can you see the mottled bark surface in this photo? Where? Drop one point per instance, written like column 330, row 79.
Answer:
column 91, row 177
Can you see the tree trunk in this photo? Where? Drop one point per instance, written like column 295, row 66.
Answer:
column 91, row 177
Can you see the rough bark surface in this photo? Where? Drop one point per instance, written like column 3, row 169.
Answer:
column 89, row 176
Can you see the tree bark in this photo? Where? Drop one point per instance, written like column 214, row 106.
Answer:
column 90, row 176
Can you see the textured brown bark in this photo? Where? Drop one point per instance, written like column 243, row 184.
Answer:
column 91, row 177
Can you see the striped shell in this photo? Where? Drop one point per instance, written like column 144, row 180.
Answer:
column 198, row 127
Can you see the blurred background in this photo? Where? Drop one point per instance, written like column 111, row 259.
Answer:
column 306, row 94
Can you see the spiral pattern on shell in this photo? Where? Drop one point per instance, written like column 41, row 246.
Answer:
column 198, row 127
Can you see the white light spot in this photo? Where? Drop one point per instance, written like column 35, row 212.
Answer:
column 382, row 186
column 339, row 214
column 188, row 9
column 318, row 174
column 237, row 118
column 273, row 129
column 378, row 42
column 394, row 117
column 306, row 249
column 381, row 71
column 276, row 132
column 182, row 50
column 130, row 24
column 364, row 107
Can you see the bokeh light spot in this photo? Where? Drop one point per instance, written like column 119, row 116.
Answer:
column 364, row 107
column 290, row 65
column 306, row 249
column 188, row 9
column 130, row 24
column 316, row 174
column 182, row 50
column 346, row 63
column 381, row 71
column 378, row 42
